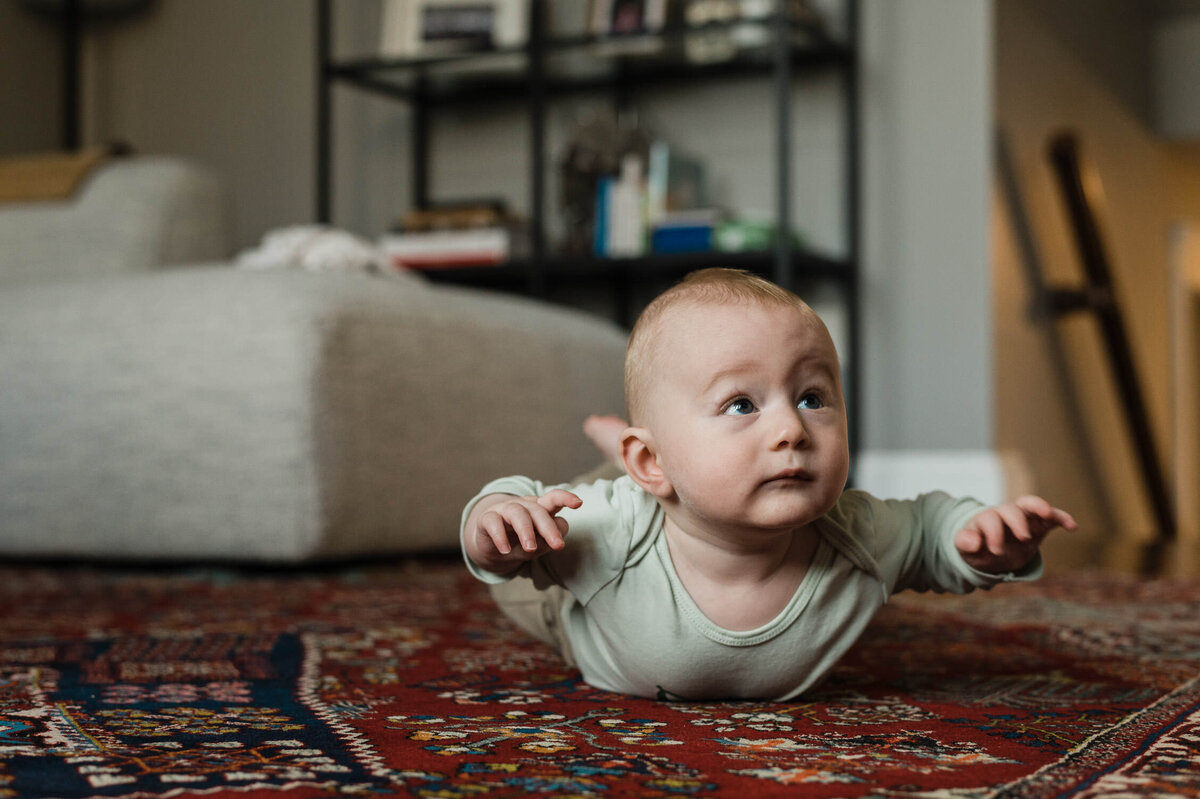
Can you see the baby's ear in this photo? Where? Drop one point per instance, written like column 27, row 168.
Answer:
column 640, row 457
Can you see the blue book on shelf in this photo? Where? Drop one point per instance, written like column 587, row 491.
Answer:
column 682, row 238
column 600, row 228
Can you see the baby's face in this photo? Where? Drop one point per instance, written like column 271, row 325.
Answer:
column 748, row 416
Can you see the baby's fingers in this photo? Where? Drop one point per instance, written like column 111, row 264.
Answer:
column 1065, row 520
column 983, row 535
column 969, row 541
column 1049, row 515
column 552, row 502
column 513, row 520
column 556, row 499
column 1016, row 521
column 550, row 528
column 496, row 527
column 525, row 525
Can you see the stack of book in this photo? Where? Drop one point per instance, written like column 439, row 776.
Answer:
column 686, row 231
column 453, row 236
column 660, row 206
column 665, row 209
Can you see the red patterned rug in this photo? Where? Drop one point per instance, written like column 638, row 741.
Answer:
column 402, row 680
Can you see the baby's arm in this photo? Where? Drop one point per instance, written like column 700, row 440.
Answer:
column 504, row 531
column 1005, row 538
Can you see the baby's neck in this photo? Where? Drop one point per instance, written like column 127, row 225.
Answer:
column 725, row 559
column 741, row 585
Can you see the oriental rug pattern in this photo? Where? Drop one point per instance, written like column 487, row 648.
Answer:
column 402, row 680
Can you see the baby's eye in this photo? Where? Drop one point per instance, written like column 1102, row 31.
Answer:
column 739, row 407
column 810, row 402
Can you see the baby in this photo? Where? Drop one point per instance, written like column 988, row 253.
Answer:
column 729, row 561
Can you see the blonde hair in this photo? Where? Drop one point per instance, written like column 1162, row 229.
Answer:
column 715, row 286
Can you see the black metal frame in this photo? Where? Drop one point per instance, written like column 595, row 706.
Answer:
column 71, row 17
column 72, row 34
column 785, row 265
column 1098, row 296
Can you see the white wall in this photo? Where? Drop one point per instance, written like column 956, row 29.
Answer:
column 228, row 83
column 928, row 116
column 1176, row 69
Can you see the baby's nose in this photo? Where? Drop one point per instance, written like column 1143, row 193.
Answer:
column 791, row 429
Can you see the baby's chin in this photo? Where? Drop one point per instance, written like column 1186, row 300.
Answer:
column 799, row 514
column 791, row 520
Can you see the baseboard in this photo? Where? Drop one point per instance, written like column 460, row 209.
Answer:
column 988, row 476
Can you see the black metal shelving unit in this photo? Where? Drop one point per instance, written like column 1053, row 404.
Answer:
column 429, row 84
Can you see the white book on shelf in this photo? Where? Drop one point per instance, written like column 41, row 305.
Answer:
column 628, row 223
column 412, row 28
column 475, row 246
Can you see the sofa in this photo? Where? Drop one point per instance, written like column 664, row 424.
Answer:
column 159, row 404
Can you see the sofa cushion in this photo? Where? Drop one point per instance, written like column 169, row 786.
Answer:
column 280, row 416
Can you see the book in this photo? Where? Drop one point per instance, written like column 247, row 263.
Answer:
column 457, row 216
column 685, row 231
column 441, row 249
column 601, row 223
column 420, row 28
column 627, row 221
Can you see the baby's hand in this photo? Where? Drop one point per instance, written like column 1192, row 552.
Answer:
column 1005, row 538
column 504, row 531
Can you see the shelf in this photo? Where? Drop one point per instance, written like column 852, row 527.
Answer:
column 517, row 274
column 579, row 64
column 616, row 70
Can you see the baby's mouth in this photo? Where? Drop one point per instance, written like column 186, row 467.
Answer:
column 792, row 476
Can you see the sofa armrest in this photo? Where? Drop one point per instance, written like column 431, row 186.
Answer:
column 132, row 214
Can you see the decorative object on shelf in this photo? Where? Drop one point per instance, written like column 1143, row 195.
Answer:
column 750, row 233
column 626, row 17
column 720, row 29
column 613, row 186
column 710, row 40
column 627, row 27
column 591, row 155
column 658, row 208
column 419, row 28
column 677, row 181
